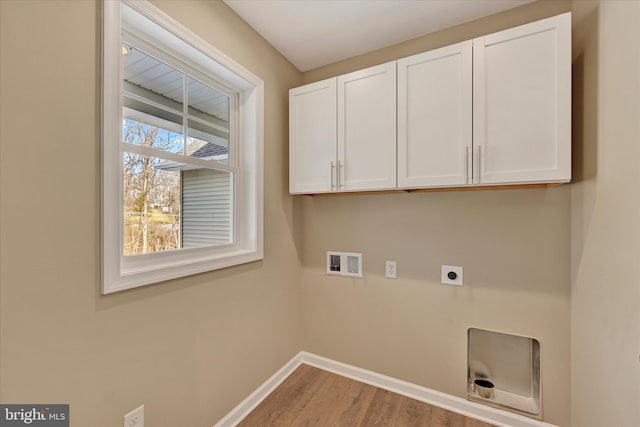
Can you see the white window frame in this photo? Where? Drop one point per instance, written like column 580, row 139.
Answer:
column 120, row 272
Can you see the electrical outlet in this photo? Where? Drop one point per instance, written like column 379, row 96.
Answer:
column 391, row 271
column 135, row 418
column 451, row 275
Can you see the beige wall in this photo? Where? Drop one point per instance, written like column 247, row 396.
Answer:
column 514, row 246
column 190, row 349
column 193, row 348
column 605, row 214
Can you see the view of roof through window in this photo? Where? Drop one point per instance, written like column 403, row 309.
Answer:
column 157, row 92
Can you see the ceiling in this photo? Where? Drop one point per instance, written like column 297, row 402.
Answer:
column 313, row 33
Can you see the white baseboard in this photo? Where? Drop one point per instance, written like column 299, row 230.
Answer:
column 465, row 407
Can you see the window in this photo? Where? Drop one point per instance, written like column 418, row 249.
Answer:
column 181, row 152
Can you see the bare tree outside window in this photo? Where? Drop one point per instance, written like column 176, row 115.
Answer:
column 151, row 194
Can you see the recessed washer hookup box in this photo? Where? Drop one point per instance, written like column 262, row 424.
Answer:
column 503, row 370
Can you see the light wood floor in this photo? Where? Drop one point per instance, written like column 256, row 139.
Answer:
column 313, row 397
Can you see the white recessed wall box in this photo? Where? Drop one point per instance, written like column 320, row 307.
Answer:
column 347, row 264
column 504, row 371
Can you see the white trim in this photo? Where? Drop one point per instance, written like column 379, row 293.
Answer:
column 176, row 158
column 455, row 404
column 230, row 71
column 111, row 131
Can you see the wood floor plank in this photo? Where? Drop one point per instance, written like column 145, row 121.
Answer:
column 284, row 404
column 413, row 413
column 472, row 422
column 352, row 409
column 443, row 418
column 311, row 397
column 322, row 403
column 382, row 411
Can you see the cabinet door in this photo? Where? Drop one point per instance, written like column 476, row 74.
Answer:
column 312, row 138
column 522, row 103
column 434, row 117
column 367, row 129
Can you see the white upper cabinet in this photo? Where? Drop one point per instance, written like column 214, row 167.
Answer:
column 312, row 137
column 342, row 133
column 367, row 129
column 522, row 103
column 491, row 111
column 434, row 117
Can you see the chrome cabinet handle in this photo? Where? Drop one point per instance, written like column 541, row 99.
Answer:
column 479, row 163
column 340, row 166
column 333, row 167
column 466, row 164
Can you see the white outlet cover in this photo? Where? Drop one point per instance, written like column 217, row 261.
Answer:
column 135, row 418
column 391, row 271
column 446, row 270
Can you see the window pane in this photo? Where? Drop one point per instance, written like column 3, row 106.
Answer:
column 150, row 114
column 139, row 133
column 208, row 124
column 207, row 103
column 169, row 205
column 152, row 100
column 206, row 207
column 151, row 79
column 151, row 205
column 208, row 143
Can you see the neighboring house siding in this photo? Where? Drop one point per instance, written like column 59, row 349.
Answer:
column 206, row 207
